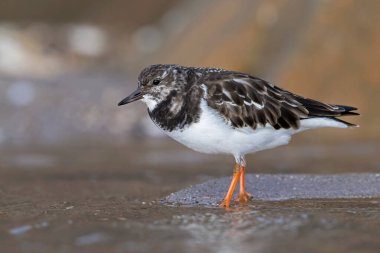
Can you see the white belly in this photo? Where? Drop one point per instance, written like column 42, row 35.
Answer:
column 213, row 135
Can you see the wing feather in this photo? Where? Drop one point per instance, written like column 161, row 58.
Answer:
column 245, row 101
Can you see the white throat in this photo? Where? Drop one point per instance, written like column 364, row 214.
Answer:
column 150, row 102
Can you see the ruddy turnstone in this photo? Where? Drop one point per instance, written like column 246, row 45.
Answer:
column 219, row 111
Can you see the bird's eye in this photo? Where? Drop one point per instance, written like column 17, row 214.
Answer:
column 156, row 81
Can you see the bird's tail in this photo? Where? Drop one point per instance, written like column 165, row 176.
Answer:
column 318, row 109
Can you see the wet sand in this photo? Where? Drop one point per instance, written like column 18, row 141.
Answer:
column 92, row 199
column 281, row 187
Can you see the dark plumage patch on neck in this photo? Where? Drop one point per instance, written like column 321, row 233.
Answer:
column 188, row 113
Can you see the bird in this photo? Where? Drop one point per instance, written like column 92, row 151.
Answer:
column 212, row 110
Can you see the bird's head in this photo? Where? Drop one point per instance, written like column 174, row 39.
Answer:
column 157, row 82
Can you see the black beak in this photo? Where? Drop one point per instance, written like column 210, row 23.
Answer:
column 136, row 95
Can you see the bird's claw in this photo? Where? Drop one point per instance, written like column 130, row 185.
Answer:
column 244, row 197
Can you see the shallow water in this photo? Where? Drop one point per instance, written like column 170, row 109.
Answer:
column 94, row 199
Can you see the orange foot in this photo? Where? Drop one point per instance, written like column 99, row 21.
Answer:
column 244, row 197
column 225, row 203
column 235, row 178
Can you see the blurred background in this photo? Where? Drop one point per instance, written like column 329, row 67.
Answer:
column 64, row 65
column 72, row 161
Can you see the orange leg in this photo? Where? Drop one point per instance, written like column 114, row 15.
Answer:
column 235, row 178
column 243, row 196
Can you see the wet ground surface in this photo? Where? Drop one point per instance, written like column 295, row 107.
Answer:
column 281, row 187
column 93, row 199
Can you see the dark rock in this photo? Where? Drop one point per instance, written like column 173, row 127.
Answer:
column 278, row 187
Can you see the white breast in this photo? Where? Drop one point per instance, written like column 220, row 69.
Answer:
column 213, row 135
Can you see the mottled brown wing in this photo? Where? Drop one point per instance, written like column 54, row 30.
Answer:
column 247, row 101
